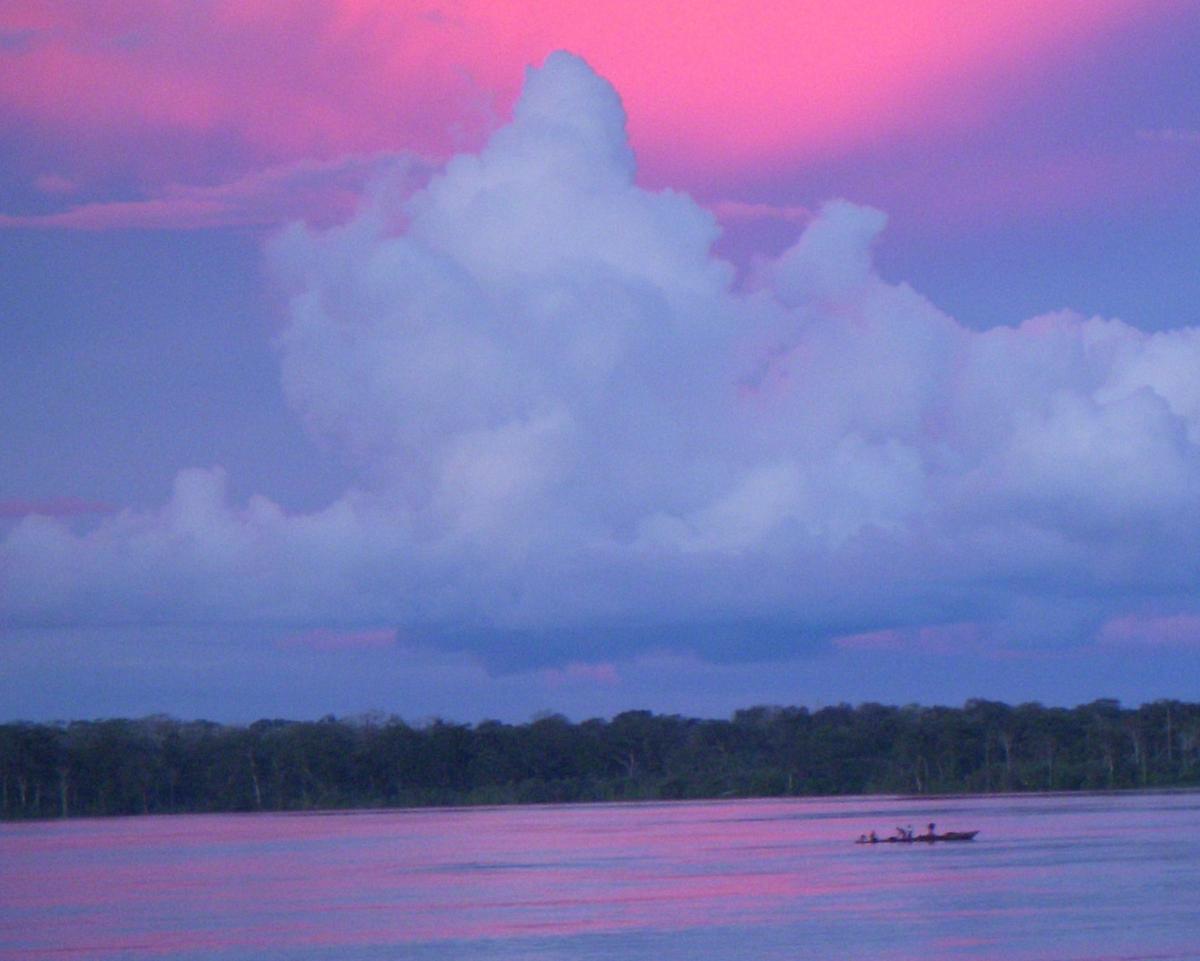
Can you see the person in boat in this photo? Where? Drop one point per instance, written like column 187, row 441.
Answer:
column 873, row 837
column 931, row 831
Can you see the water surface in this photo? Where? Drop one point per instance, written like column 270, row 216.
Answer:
column 1050, row 878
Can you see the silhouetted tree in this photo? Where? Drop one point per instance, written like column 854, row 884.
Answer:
column 159, row 764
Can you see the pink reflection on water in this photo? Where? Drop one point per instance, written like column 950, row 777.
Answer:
column 156, row 886
column 161, row 886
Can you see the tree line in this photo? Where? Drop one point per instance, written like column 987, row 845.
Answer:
column 162, row 765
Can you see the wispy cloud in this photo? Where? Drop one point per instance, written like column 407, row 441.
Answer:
column 332, row 640
column 319, row 192
column 1173, row 630
column 53, row 507
column 50, row 183
column 930, row 639
column 579, row 673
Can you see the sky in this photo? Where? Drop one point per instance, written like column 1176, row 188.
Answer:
column 475, row 360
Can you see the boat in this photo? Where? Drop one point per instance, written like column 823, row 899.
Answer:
column 919, row 838
column 954, row 836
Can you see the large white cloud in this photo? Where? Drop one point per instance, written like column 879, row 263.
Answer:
column 569, row 420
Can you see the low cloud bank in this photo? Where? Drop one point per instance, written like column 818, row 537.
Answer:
column 569, row 421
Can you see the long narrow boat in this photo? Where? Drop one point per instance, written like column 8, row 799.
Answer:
column 920, row 838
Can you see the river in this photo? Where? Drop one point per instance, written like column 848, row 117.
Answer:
column 1049, row 878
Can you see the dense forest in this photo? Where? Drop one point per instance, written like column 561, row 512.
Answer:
column 158, row 764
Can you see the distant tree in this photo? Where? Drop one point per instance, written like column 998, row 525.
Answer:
column 159, row 764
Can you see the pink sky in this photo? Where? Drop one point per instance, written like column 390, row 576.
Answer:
column 275, row 81
column 782, row 386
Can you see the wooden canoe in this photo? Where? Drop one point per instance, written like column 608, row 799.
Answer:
column 921, row 838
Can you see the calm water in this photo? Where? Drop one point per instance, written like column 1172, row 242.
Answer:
column 1115, row 878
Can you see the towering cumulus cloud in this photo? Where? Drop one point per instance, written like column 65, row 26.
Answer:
column 568, row 422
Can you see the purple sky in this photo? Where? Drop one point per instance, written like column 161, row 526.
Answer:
column 348, row 364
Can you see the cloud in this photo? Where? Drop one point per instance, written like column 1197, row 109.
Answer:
column 735, row 211
column 1149, row 631
column 53, row 507
column 577, row 439
column 579, row 674
column 327, row 640
column 320, row 192
column 940, row 639
column 50, row 183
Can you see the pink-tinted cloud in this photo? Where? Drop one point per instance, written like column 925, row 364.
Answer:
column 884, row 640
column 577, row 673
column 53, row 507
column 328, row 640
column 282, row 79
column 320, row 192
column 722, row 86
column 1173, row 630
column 736, row 211
column 55, row 184
column 932, row 639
